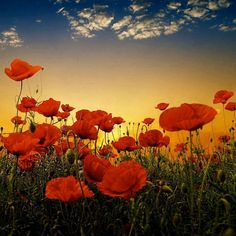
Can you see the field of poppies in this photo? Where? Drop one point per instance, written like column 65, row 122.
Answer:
column 99, row 176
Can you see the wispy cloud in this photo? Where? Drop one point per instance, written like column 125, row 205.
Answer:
column 174, row 5
column 38, row 21
column 10, row 38
column 227, row 28
column 87, row 21
column 196, row 12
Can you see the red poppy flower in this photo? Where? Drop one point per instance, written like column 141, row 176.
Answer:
column 222, row 96
column 180, row 147
column 162, row 106
column 106, row 151
column 84, row 129
column 126, row 143
column 27, row 104
column 148, row 121
column 63, row 115
column 152, row 138
column 231, row 106
column 82, row 113
column 107, row 123
column 67, row 189
column 21, row 70
column 20, row 143
column 67, row 108
column 118, row 120
column 17, row 120
column 47, row 134
column 27, row 162
column 124, row 180
column 97, row 116
column 186, row 117
column 95, row 168
column 49, row 107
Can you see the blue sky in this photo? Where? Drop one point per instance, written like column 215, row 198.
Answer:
column 22, row 21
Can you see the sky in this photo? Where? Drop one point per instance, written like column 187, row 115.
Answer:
column 123, row 57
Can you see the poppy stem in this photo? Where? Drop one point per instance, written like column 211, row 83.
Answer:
column 18, row 100
column 224, row 119
column 191, row 178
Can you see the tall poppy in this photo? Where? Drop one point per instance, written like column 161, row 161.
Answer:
column 126, row 143
column 95, row 168
column 27, row 104
column 67, row 189
column 148, row 121
column 47, row 134
column 124, row 180
column 20, row 143
column 230, row 106
column 67, row 108
column 84, row 129
column 152, row 138
column 187, row 117
column 49, row 107
column 222, row 96
column 21, row 70
column 17, row 120
column 162, row 106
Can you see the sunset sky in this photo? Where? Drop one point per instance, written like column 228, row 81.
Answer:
column 123, row 57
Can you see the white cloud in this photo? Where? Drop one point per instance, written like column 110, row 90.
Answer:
column 87, row 21
column 234, row 21
column 212, row 5
column 174, row 5
column 38, row 21
column 10, row 38
column 122, row 23
column 196, row 12
column 224, row 3
column 138, row 7
column 226, row 28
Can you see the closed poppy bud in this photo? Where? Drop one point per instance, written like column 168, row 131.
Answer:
column 226, row 204
column 70, row 155
column 229, row 232
column 220, row 176
column 166, row 189
column 32, row 127
column 176, row 219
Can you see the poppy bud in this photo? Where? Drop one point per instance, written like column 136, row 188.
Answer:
column 226, row 204
column 70, row 155
column 229, row 232
column 176, row 219
column 220, row 176
column 166, row 189
column 32, row 127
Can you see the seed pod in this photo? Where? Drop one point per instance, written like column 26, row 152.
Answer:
column 70, row 155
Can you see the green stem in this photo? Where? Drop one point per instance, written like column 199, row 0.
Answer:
column 18, row 101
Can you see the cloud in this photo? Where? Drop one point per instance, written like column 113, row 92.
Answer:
column 87, row 21
column 196, row 12
column 122, row 23
column 10, row 38
column 174, row 5
column 213, row 6
column 38, row 21
column 137, row 7
column 224, row 3
column 234, row 21
column 226, row 28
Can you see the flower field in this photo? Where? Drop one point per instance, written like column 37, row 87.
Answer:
column 94, row 176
